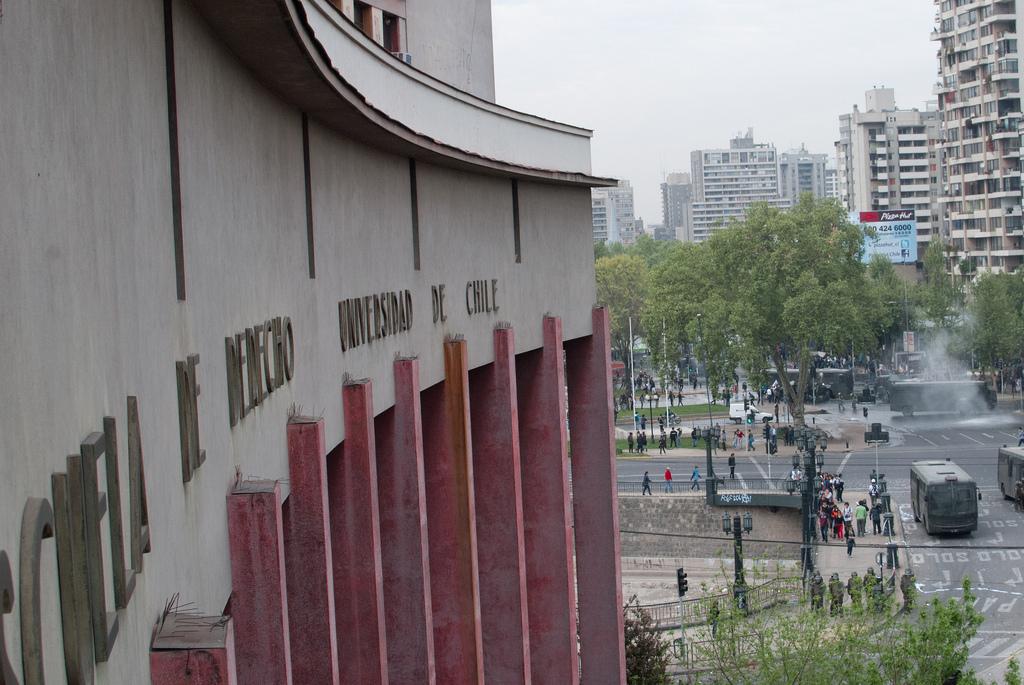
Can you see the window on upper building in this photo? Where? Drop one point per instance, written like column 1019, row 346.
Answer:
column 392, row 33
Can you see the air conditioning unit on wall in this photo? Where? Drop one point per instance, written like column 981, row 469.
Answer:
column 404, row 56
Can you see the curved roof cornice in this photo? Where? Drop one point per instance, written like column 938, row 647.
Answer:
column 308, row 53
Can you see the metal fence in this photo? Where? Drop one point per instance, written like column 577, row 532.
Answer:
column 695, row 611
column 720, row 485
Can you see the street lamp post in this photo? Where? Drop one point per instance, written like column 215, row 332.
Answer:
column 651, row 401
column 812, row 442
column 710, row 434
column 737, row 527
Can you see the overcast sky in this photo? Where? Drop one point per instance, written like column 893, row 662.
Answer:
column 659, row 78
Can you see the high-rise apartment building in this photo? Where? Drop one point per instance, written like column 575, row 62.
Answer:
column 887, row 159
column 802, row 172
column 612, row 213
column 677, row 205
column 980, row 105
column 831, row 182
column 727, row 181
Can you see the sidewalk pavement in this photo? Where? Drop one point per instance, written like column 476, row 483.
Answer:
column 832, row 557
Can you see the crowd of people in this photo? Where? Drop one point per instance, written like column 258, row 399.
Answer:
column 839, row 519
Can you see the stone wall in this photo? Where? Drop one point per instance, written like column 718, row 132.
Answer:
column 691, row 516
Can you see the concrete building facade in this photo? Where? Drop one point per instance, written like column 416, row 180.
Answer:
column 297, row 331
column 980, row 109
column 727, row 181
column 802, row 172
column 888, row 158
column 612, row 214
column 677, row 206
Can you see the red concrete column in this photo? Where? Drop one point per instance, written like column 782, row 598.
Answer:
column 193, row 655
column 547, row 520
column 451, row 519
column 355, row 544
column 405, row 558
column 307, row 547
column 595, row 503
column 499, row 516
column 259, row 600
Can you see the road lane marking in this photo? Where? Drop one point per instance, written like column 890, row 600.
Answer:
column 945, row 437
column 1009, row 435
column 990, row 437
column 760, row 468
column 972, row 439
column 924, row 438
column 842, row 464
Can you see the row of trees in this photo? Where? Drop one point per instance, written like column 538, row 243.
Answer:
column 804, row 646
column 783, row 284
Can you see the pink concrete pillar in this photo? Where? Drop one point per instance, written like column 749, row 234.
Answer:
column 307, row 547
column 259, row 600
column 546, row 516
column 355, row 544
column 595, row 503
column 499, row 515
column 451, row 519
column 405, row 558
column 201, row 651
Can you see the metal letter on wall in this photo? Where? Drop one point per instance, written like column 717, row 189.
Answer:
column 36, row 526
column 7, row 676
column 123, row 586
column 72, row 579
column 192, row 456
column 138, row 506
column 82, row 469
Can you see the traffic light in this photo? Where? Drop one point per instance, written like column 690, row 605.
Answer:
column 750, row 418
column 681, row 581
column 766, row 432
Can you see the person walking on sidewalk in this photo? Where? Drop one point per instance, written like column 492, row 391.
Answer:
column 850, row 542
column 838, row 484
column 629, row 442
column 732, row 465
column 861, row 514
column 750, row 441
column 856, row 592
column 661, row 443
column 876, row 519
column 668, row 479
column 848, row 519
column 646, row 489
column 835, row 590
column 823, row 524
column 695, row 479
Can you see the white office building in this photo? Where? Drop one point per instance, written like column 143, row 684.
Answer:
column 980, row 106
column 727, row 181
column 802, row 172
column 677, row 205
column 887, row 159
column 612, row 212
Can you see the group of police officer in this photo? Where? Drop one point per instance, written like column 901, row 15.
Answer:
column 870, row 588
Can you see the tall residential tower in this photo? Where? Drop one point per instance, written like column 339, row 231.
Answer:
column 980, row 105
column 887, row 159
column 727, row 181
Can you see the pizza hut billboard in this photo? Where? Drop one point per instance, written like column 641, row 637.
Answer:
column 895, row 234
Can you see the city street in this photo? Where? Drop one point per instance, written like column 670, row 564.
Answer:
column 992, row 557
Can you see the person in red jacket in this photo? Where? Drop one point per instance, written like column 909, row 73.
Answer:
column 668, row 479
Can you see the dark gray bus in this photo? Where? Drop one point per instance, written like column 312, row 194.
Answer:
column 1010, row 469
column 944, row 497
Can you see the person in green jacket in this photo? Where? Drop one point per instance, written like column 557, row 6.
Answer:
column 861, row 514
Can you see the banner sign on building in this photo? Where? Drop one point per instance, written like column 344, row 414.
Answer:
column 895, row 234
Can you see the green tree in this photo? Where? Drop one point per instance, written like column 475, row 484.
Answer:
column 647, row 652
column 621, row 287
column 996, row 315
column 770, row 290
column 893, row 313
column 940, row 297
column 804, row 646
